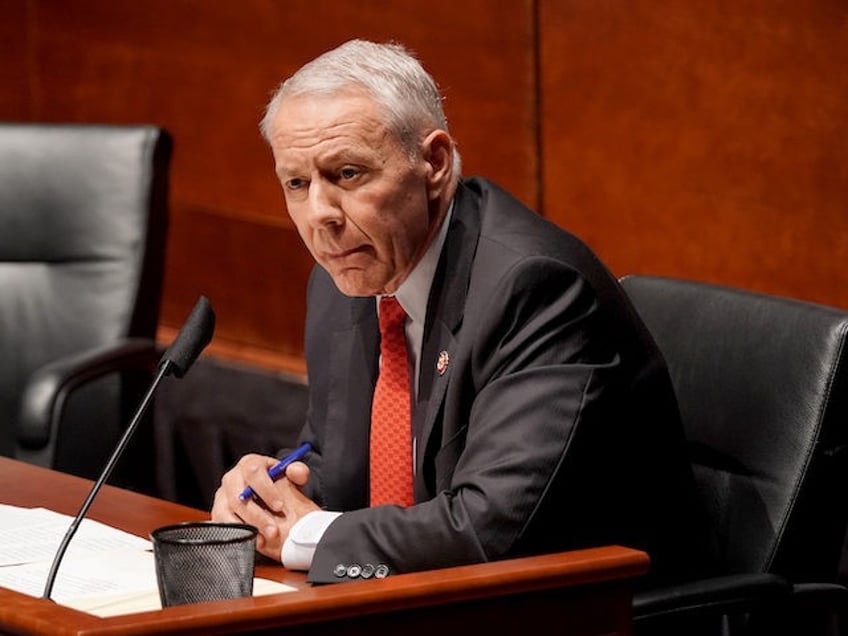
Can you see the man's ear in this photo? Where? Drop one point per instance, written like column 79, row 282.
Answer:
column 437, row 149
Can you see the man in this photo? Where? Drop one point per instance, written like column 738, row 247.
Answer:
column 542, row 414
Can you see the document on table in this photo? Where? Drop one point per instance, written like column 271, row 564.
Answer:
column 105, row 571
column 28, row 535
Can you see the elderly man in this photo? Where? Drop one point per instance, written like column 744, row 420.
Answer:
column 531, row 411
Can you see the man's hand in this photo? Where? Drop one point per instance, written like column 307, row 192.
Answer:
column 274, row 509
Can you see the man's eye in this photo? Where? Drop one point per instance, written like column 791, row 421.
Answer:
column 295, row 184
column 348, row 173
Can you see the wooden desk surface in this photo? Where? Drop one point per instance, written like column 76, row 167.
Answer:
column 585, row 592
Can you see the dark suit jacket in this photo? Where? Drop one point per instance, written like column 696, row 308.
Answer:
column 553, row 426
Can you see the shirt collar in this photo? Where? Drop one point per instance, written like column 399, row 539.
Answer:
column 414, row 292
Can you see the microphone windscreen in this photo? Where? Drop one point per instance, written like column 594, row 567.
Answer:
column 193, row 337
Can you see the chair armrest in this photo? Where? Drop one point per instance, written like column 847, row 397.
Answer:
column 44, row 396
column 713, row 596
column 821, row 596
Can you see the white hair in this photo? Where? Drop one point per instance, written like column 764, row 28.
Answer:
column 389, row 73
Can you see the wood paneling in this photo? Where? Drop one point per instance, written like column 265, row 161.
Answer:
column 204, row 70
column 690, row 138
column 253, row 271
column 702, row 139
column 14, row 61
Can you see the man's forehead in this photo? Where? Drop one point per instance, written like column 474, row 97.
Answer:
column 346, row 132
column 324, row 115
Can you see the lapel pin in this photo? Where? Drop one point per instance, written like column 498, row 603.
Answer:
column 442, row 362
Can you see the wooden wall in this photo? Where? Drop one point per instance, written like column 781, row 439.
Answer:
column 702, row 138
column 693, row 138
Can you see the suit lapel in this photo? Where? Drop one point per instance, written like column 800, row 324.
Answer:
column 445, row 309
column 355, row 352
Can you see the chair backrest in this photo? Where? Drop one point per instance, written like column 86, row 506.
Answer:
column 83, row 219
column 762, row 386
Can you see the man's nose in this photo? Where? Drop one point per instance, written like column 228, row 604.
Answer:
column 324, row 205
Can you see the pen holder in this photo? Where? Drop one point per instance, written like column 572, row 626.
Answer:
column 204, row 561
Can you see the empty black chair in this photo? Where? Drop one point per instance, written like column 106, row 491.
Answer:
column 762, row 386
column 83, row 223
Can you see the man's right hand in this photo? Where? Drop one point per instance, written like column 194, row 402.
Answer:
column 274, row 509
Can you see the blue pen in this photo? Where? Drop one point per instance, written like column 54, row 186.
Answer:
column 277, row 470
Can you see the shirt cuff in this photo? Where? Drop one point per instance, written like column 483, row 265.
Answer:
column 303, row 538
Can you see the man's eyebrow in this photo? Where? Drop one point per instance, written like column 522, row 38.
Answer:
column 331, row 156
column 282, row 171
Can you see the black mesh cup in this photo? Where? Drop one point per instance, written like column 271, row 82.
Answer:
column 204, row 561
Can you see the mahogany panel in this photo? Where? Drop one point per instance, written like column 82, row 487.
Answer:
column 687, row 138
column 254, row 272
column 15, row 30
column 701, row 139
column 205, row 70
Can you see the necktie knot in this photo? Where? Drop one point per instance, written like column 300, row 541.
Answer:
column 392, row 315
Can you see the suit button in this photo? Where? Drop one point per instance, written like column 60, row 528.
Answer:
column 367, row 571
column 381, row 571
column 354, row 570
column 340, row 570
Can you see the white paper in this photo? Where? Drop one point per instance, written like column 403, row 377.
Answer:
column 129, row 603
column 105, row 571
column 28, row 535
column 106, row 574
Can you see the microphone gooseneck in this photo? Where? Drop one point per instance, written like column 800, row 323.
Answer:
column 193, row 337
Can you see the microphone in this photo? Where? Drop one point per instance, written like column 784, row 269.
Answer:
column 192, row 338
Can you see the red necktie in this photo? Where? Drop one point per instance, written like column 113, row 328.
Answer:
column 391, row 437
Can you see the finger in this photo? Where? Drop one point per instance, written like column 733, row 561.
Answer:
column 255, row 475
column 296, row 506
column 271, row 549
column 254, row 513
column 221, row 512
column 221, row 508
column 269, row 540
column 252, row 471
column 298, row 473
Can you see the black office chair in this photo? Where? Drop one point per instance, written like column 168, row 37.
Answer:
column 83, row 221
column 762, row 385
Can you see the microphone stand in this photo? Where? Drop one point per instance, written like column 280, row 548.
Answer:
column 164, row 369
column 194, row 335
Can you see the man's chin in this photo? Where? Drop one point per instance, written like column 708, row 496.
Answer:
column 354, row 285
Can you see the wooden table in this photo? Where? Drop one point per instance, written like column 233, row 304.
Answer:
column 582, row 593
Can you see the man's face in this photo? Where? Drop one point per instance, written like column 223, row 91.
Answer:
column 360, row 203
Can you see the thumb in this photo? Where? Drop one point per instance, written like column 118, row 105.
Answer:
column 298, row 473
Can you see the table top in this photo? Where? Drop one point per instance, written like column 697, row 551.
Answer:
column 30, row 486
